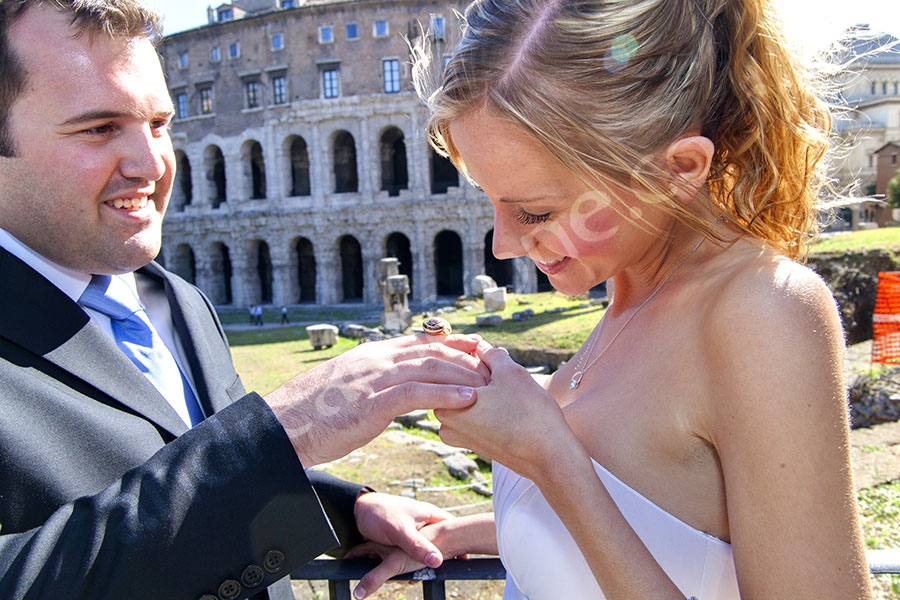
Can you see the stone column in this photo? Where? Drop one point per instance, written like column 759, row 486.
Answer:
column 366, row 173
column 282, row 280
column 328, row 267
column 240, row 276
column 199, row 184
column 371, row 257
column 203, row 267
column 234, row 175
column 317, row 148
column 428, row 278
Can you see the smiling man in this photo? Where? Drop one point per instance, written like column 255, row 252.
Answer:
column 132, row 462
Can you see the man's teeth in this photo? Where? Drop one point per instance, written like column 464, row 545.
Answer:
column 129, row 202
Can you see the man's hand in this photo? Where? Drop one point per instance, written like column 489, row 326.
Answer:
column 395, row 530
column 344, row 403
column 397, row 521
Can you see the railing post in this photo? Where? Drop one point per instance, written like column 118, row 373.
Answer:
column 433, row 590
column 339, row 590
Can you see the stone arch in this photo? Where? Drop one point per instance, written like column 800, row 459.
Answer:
column 182, row 192
column 264, row 272
column 394, row 171
column 397, row 245
column 298, row 165
column 500, row 270
column 220, row 274
column 351, row 269
column 254, row 169
column 184, row 264
column 346, row 176
column 214, row 164
column 306, row 269
column 443, row 174
column 448, row 263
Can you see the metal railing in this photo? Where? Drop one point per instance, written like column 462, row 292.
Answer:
column 339, row 573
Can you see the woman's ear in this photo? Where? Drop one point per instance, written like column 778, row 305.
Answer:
column 688, row 160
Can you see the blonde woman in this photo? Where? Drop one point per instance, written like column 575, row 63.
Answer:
column 697, row 443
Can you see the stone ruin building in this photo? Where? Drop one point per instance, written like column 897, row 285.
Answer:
column 302, row 159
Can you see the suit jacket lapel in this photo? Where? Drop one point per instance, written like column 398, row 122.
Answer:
column 37, row 316
column 195, row 325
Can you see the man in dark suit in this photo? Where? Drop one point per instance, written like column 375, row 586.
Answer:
column 110, row 488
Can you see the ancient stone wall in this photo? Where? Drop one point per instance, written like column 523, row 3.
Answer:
column 286, row 195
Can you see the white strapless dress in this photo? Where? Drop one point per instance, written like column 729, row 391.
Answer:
column 543, row 562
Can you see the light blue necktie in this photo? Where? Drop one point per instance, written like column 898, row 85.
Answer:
column 139, row 340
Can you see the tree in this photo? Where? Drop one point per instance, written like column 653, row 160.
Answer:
column 893, row 191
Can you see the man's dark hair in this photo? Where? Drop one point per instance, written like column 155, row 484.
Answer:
column 120, row 19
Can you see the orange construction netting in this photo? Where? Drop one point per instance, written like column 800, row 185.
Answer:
column 886, row 319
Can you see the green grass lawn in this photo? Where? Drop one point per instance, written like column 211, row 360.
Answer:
column 267, row 357
column 871, row 239
column 565, row 330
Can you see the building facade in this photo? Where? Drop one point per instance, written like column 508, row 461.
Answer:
column 870, row 91
column 302, row 159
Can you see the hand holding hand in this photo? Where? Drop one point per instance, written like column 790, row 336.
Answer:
column 397, row 521
column 344, row 403
column 514, row 421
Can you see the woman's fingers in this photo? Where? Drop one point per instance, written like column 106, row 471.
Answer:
column 394, row 562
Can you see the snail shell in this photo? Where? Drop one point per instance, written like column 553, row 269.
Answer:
column 436, row 326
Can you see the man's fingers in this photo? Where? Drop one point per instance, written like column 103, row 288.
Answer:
column 443, row 352
column 419, row 548
column 431, row 369
column 406, row 397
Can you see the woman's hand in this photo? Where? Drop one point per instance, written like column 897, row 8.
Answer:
column 514, row 420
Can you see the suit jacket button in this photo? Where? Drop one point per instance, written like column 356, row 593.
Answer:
column 208, row 597
column 229, row 590
column 252, row 576
column 273, row 561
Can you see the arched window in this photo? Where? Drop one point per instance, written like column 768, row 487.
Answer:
column 351, row 269
column 220, row 274
column 448, row 263
column 299, row 167
column 499, row 270
column 346, row 178
column 185, row 266
column 397, row 246
column 394, row 176
column 256, row 169
column 306, row 264
column 214, row 163
column 264, row 272
column 181, row 191
column 443, row 174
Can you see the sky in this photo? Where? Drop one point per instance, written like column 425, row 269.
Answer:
column 814, row 23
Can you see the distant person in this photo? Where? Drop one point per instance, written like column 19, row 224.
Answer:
column 133, row 465
column 697, row 444
column 284, row 315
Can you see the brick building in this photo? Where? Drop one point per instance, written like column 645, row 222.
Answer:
column 302, row 158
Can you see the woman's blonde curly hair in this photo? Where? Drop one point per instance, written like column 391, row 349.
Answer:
column 606, row 85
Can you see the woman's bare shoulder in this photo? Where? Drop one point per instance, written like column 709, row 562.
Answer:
column 765, row 294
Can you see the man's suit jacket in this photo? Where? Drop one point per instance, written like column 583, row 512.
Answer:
column 105, row 493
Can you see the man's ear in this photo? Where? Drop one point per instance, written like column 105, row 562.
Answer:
column 688, row 160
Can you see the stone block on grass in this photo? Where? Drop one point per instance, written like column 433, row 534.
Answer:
column 322, row 336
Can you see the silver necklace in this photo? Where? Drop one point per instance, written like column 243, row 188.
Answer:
column 579, row 374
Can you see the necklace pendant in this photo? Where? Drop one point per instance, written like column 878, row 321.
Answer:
column 576, row 379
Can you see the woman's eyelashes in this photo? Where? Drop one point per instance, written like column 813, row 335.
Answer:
column 527, row 218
